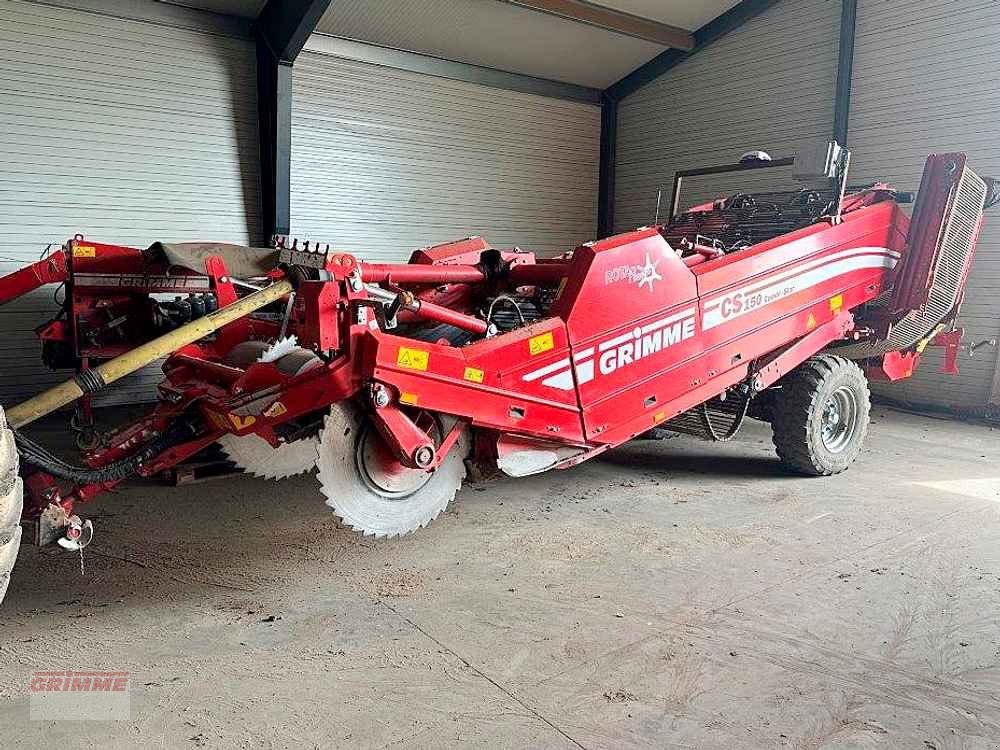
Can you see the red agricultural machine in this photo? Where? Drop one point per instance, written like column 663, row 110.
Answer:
column 394, row 379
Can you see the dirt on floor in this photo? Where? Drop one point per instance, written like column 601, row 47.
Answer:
column 672, row 594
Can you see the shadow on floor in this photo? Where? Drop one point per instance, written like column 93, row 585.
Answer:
column 684, row 457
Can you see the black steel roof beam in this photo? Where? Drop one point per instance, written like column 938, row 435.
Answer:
column 282, row 30
column 285, row 25
column 703, row 37
column 606, row 170
column 845, row 70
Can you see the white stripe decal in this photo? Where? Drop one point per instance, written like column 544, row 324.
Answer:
column 563, row 381
column 760, row 283
column 740, row 303
column 548, row 369
column 725, row 308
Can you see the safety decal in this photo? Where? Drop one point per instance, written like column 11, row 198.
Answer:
column 84, row 251
column 540, row 343
column 473, row 375
column 413, row 359
column 241, row 423
column 275, row 410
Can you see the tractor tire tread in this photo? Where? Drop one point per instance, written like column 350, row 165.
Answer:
column 796, row 412
column 11, row 505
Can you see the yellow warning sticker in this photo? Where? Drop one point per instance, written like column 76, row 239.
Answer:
column 836, row 302
column 413, row 359
column 474, row 375
column 408, row 398
column 541, row 343
column 241, row 423
column 84, row 251
column 811, row 323
column 275, row 410
column 659, row 417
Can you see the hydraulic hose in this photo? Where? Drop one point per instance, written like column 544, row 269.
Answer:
column 35, row 455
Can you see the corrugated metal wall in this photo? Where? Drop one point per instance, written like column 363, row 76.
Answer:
column 770, row 85
column 125, row 131
column 385, row 161
column 925, row 82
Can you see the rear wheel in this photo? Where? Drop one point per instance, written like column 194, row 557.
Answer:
column 820, row 415
column 11, row 504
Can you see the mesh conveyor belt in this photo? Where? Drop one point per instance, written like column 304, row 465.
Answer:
column 957, row 244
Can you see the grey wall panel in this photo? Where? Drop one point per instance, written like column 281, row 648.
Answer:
column 385, row 161
column 767, row 85
column 924, row 82
column 127, row 132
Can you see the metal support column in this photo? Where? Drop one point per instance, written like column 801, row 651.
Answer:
column 845, row 70
column 606, row 179
column 281, row 30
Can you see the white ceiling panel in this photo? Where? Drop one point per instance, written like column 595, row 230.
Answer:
column 241, row 8
column 493, row 34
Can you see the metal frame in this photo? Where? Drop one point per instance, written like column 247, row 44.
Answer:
column 606, row 173
column 609, row 19
column 845, row 70
column 281, row 31
column 456, row 71
column 285, row 25
column 675, row 195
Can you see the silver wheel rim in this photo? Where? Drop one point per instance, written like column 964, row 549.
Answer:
column 839, row 420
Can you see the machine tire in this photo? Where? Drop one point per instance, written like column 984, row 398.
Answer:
column 820, row 415
column 11, row 505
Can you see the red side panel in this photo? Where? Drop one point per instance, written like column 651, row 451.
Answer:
column 629, row 304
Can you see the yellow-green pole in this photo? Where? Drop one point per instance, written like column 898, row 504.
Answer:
column 126, row 364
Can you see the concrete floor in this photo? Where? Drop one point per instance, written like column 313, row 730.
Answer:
column 672, row 594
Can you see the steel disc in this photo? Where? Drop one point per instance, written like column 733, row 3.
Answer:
column 381, row 471
column 369, row 490
column 256, row 456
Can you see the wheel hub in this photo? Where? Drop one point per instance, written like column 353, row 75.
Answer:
column 381, row 472
column 839, row 420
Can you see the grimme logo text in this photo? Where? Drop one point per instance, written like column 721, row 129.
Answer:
column 79, row 682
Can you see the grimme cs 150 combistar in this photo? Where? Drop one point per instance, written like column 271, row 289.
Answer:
column 393, row 380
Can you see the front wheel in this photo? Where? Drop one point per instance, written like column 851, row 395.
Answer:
column 820, row 415
column 11, row 503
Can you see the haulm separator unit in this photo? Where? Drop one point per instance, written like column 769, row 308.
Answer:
column 395, row 379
